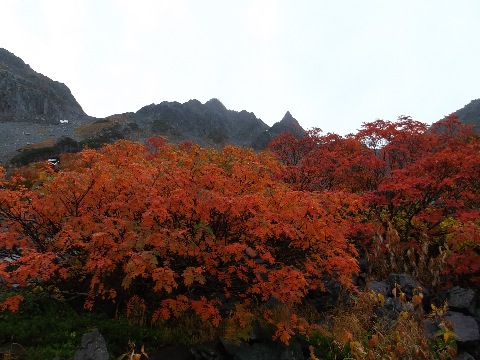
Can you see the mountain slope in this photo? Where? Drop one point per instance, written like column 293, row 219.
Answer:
column 28, row 96
column 209, row 124
column 470, row 114
column 32, row 105
column 287, row 124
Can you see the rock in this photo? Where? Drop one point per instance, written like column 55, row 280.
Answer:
column 431, row 327
column 257, row 351
column 231, row 347
column 465, row 356
column 175, row 352
column 462, row 299
column 465, row 327
column 291, row 352
column 379, row 287
column 93, row 347
column 209, row 351
column 407, row 283
column 266, row 351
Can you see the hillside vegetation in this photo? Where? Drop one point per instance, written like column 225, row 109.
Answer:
column 164, row 237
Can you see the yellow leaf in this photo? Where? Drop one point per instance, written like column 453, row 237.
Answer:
column 403, row 315
column 381, row 298
column 143, row 351
column 446, row 336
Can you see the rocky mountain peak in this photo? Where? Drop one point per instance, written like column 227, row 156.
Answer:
column 288, row 124
column 470, row 114
column 28, row 96
column 34, row 109
column 215, row 105
column 12, row 62
column 288, row 119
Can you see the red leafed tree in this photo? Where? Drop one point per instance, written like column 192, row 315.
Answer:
column 181, row 227
column 420, row 189
column 327, row 162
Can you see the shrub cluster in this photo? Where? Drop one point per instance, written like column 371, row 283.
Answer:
column 184, row 237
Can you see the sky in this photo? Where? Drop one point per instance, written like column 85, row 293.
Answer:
column 332, row 64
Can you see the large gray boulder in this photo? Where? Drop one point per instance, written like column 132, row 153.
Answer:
column 407, row 282
column 379, row 287
column 93, row 347
column 465, row 327
column 462, row 299
column 266, row 351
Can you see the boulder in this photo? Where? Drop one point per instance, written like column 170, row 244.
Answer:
column 93, row 347
column 465, row 327
column 209, row 351
column 407, row 283
column 462, row 299
column 257, row 351
column 265, row 351
column 174, row 352
column 465, row 356
column 379, row 287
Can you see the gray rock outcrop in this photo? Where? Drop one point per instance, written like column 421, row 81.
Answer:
column 465, row 327
column 93, row 347
column 462, row 299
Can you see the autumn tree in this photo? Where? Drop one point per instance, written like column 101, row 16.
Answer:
column 419, row 186
column 181, row 227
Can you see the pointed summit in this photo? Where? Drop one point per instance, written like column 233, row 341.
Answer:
column 288, row 124
column 288, row 119
column 28, row 96
column 215, row 105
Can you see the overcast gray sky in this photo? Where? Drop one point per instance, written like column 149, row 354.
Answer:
column 332, row 63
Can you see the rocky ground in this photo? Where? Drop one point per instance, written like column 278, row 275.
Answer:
column 15, row 135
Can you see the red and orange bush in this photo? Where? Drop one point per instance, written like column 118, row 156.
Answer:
column 177, row 228
column 420, row 182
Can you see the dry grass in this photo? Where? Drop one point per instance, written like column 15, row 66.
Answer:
column 389, row 254
column 90, row 130
column 380, row 337
column 39, row 145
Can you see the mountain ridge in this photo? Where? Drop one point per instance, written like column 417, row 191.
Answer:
column 36, row 111
column 470, row 114
column 26, row 95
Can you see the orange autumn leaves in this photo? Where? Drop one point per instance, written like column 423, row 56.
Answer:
column 420, row 181
column 184, row 228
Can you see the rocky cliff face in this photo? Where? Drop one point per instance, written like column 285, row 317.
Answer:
column 210, row 124
column 32, row 107
column 28, row 96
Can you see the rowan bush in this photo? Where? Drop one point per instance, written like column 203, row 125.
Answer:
column 419, row 187
column 179, row 229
